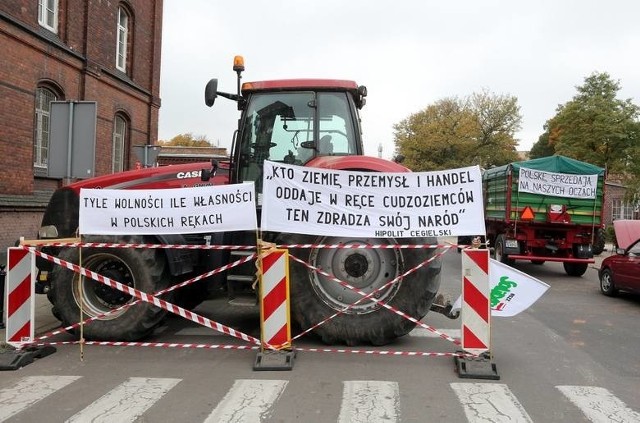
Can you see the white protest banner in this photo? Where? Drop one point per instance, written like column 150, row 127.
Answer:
column 329, row 202
column 168, row 211
column 512, row 291
column 557, row 184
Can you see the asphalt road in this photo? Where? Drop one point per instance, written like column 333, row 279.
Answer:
column 572, row 356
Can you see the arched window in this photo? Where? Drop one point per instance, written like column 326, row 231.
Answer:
column 122, row 45
column 120, row 129
column 44, row 97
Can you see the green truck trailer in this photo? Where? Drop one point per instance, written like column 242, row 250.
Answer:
column 547, row 209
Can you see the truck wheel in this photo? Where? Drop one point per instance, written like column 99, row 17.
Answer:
column 143, row 269
column 575, row 269
column 607, row 287
column 499, row 251
column 599, row 242
column 316, row 297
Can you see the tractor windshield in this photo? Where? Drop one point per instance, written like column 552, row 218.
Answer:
column 293, row 128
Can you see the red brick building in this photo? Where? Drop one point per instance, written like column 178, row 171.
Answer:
column 615, row 205
column 72, row 50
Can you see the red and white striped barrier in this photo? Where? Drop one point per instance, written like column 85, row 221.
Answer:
column 20, row 297
column 371, row 296
column 156, row 294
column 168, row 345
column 275, row 310
column 274, row 307
column 476, row 305
column 235, row 247
column 148, row 298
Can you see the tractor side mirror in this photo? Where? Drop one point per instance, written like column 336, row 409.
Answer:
column 206, row 174
column 211, row 92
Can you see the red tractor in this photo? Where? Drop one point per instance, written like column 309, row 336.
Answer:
column 306, row 122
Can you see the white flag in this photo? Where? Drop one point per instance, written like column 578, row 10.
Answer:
column 511, row 290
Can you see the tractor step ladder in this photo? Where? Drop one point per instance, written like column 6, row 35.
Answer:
column 240, row 283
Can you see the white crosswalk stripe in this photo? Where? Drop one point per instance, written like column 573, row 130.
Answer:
column 599, row 405
column 247, row 401
column 253, row 401
column 489, row 402
column 365, row 401
column 126, row 402
column 29, row 390
column 424, row 333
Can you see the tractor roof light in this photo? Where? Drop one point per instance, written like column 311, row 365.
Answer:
column 238, row 64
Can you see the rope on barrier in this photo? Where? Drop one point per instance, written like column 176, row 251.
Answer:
column 161, row 292
column 27, row 245
column 377, row 301
column 137, row 246
column 172, row 308
column 253, row 347
column 141, row 296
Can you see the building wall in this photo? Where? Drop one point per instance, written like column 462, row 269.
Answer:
column 79, row 60
column 615, row 191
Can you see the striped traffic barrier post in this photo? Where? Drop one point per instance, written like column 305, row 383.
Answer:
column 20, row 295
column 275, row 322
column 476, row 317
column 20, row 311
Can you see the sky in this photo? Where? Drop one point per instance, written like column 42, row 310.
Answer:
column 409, row 54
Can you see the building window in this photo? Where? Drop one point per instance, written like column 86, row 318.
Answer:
column 119, row 143
column 44, row 97
column 123, row 39
column 48, row 14
column 621, row 210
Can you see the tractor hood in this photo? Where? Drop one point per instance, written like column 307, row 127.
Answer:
column 363, row 163
column 627, row 232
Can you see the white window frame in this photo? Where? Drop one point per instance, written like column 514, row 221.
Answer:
column 44, row 97
column 48, row 14
column 119, row 142
column 123, row 38
column 621, row 210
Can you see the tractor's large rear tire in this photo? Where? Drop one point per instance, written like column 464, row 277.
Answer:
column 143, row 269
column 316, row 297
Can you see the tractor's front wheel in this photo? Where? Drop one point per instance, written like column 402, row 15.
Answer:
column 142, row 269
column 317, row 297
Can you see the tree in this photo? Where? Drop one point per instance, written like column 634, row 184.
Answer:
column 187, row 140
column 542, row 148
column 595, row 126
column 457, row 132
column 631, row 176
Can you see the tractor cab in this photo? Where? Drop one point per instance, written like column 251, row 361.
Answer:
column 291, row 121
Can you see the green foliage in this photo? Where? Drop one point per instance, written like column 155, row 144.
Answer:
column 631, row 176
column 610, row 234
column 457, row 132
column 187, row 140
column 542, row 148
column 595, row 126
